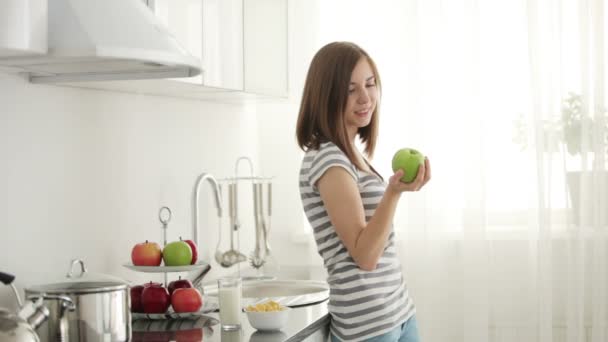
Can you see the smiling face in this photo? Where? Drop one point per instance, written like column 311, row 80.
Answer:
column 341, row 101
column 362, row 97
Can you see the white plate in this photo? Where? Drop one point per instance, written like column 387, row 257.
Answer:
column 157, row 269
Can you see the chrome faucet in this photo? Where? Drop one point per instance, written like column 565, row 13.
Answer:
column 197, row 276
column 195, row 196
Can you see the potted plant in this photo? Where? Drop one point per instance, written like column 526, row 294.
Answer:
column 583, row 143
column 582, row 132
column 585, row 138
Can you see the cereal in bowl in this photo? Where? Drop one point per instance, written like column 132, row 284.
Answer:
column 270, row 305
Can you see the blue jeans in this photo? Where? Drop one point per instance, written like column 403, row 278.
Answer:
column 406, row 332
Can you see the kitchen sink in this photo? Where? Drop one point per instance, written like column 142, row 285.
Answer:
column 291, row 293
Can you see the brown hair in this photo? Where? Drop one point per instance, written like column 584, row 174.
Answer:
column 324, row 99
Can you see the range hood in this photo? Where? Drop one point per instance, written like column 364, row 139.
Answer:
column 99, row 40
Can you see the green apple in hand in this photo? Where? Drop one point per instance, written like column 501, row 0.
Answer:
column 408, row 160
column 177, row 253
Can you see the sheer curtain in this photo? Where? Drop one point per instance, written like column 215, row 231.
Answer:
column 508, row 100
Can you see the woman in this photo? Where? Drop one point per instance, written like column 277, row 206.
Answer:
column 347, row 202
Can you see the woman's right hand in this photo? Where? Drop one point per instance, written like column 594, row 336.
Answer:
column 423, row 176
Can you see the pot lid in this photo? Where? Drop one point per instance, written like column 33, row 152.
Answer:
column 81, row 282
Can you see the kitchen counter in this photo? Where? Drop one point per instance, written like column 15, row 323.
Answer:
column 309, row 323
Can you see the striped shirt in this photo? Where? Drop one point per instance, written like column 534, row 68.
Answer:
column 362, row 304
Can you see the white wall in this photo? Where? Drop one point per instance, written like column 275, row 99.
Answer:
column 83, row 174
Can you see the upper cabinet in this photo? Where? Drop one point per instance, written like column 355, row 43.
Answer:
column 23, row 27
column 242, row 44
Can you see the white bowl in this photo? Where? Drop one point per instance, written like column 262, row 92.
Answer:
column 268, row 320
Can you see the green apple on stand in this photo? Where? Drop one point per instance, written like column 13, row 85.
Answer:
column 177, row 253
column 408, row 160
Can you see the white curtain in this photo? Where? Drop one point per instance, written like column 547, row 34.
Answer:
column 502, row 245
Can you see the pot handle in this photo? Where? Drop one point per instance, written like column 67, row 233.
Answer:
column 83, row 269
column 63, row 331
column 65, row 300
column 66, row 305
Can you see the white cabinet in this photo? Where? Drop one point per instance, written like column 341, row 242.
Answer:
column 265, row 46
column 23, row 27
column 242, row 44
column 222, row 48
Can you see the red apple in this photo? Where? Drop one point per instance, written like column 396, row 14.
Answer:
column 136, row 305
column 146, row 254
column 189, row 335
column 194, row 249
column 179, row 284
column 155, row 298
column 186, row 300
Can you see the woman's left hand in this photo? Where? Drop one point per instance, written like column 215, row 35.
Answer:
column 423, row 177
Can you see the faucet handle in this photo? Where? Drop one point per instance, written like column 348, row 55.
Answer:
column 198, row 278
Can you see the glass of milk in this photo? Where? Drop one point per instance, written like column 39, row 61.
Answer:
column 229, row 290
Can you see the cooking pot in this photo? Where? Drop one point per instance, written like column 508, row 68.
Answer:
column 99, row 311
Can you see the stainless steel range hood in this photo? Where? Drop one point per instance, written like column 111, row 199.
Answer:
column 98, row 40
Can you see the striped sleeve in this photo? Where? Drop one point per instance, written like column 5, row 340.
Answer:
column 325, row 159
